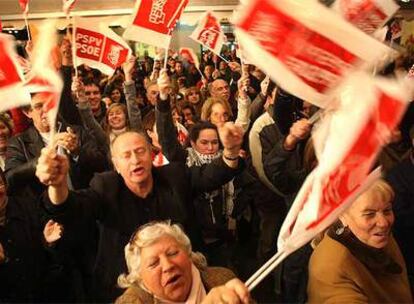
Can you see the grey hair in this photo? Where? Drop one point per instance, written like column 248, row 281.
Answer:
column 148, row 235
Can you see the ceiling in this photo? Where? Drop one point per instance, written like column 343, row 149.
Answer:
column 11, row 7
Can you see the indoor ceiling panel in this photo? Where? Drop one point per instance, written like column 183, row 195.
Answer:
column 11, row 7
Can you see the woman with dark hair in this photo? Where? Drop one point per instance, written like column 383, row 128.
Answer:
column 116, row 95
column 217, row 211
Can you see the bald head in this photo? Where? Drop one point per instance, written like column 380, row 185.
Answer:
column 219, row 88
column 123, row 139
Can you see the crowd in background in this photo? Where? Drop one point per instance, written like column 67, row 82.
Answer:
column 231, row 196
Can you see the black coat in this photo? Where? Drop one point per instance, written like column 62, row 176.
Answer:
column 119, row 212
column 32, row 273
column 24, row 149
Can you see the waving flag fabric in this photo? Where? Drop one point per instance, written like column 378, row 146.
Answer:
column 303, row 46
column 24, row 5
column 99, row 47
column 367, row 15
column 154, row 20
column 189, row 55
column 68, row 6
column 11, row 76
column 209, row 33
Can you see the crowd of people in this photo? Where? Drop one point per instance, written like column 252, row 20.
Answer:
column 152, row 163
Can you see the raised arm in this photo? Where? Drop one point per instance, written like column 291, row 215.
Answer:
column 243, row 102
column 222, row 170
column 134, row 112
column 167, row 132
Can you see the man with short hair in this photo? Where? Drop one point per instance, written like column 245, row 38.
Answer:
column 135, row 194
column 24, row 149
column 94, row 96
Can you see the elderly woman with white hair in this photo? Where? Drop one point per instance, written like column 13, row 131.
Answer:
column 162, row 268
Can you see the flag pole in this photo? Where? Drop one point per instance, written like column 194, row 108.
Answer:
column 263, row 268
column 29, row 36
column 75, row 65
column 265, row 273
column 201, row 74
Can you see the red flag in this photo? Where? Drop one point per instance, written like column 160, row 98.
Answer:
column 396, row 30
column 68, row 6
column 24, row 4
column 306, row 53
column 347, row 155
column 99, row 47
column 159, row 160
column 189, row 55
column 367, row 15
column 153, row 21
column 11, row 76
column 43, row 77
column 209, row 33
column 1, row 26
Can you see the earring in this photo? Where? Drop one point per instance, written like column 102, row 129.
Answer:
column 340, row 230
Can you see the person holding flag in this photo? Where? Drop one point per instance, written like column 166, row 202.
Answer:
column 358, row 260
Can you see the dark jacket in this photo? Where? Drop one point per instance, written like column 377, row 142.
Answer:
column 119, row 212
column 401, row 178
column 209, row 207
column 24, row 149
column 31, row 273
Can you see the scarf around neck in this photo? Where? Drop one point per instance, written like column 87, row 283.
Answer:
column 195, row 158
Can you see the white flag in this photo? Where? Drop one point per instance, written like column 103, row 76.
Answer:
column 209, row 33
column 303, row 46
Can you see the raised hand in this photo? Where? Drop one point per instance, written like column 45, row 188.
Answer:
column 164, row 84
column 67, row 140
column 243, row 86
column 78, row 89
column 231, row 137
column 52, row 168
column 52, row 231
column 298, row 131
column 235, row 66
column 66, row 52
column 128, row 67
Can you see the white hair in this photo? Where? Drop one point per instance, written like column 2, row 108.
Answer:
column 148, row 235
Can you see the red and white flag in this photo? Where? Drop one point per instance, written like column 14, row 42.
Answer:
column 346, row 157
column 347, row 154
column 189, row 55
column 43, row 77
column 99, row 47
column 154, row 20
column 159, row 160
column 367, row 15
column 24, row 5
column 68, row 6
column 396, row 30
column 209, row 33
column 239, row 53
column 11, row 76
column 306, row 53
